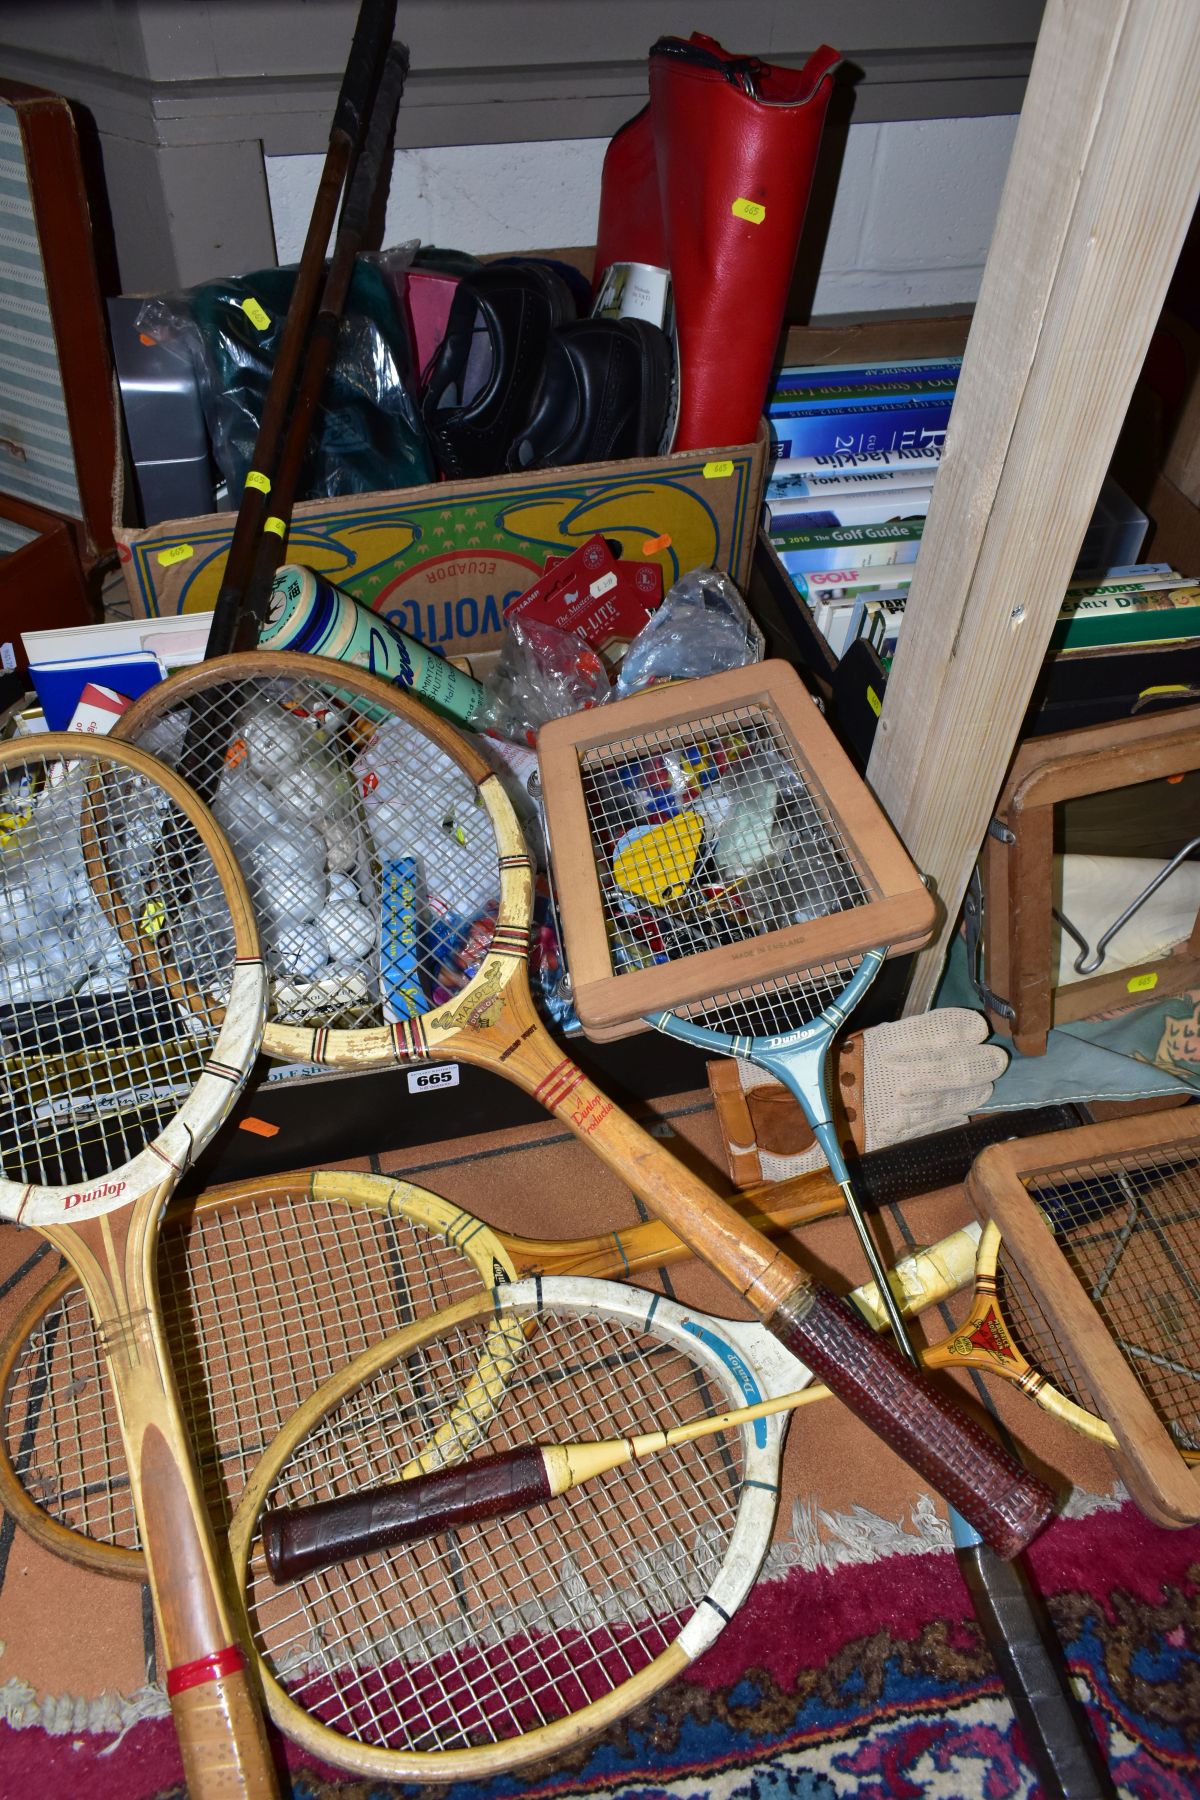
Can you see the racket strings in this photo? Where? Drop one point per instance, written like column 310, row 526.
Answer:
column 778, row 1007
column 118, row 955
column 1132, row 1237
column 710, row 832
column 498, row 1628
column 261, row 1303
column 62, row 1433
column 372, row 867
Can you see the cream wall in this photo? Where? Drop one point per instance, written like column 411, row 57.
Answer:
column 911, row 219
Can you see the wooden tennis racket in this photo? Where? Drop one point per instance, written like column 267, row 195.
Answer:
column 433, row 1498
column 97, row 1127
column 453, row 885
column 315, row 1268
column 513, row 1638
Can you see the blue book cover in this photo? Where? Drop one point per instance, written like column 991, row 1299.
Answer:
column 59, row 684
column 805, row 375
column 897, row 393
column 851, row 431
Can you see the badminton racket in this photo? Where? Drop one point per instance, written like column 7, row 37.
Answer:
column 453, row 887
column 314, row 1269
column 509, row 1640
column 352, row 231
column 91, row 1147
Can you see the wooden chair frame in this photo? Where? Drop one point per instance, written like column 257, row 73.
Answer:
column 1017, row 872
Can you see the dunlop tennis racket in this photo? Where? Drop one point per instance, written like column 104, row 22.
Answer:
column 509, row 1640
column 448, row 874
column 315, row 1268
column 92, row 1144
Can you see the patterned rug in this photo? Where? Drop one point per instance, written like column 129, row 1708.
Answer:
column 849, row 1675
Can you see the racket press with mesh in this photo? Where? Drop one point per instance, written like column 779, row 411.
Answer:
column 1105, row 1308
column 654, row 913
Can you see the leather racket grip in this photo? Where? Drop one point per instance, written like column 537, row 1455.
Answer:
column 299, row 1539
column 923, row 1165
column 1004, row 1502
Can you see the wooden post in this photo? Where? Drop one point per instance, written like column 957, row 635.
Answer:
column 1102, row 185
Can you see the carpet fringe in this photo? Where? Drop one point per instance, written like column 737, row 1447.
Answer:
column 61, row 1714
column 819, row 1540
column 828, row 1540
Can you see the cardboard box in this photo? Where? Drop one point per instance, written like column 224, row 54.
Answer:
column 442, row 562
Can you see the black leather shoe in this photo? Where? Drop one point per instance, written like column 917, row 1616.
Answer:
column 604, row 393
column 483, row 379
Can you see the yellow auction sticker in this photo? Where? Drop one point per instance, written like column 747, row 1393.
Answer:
column 176, row 554
column 750, row 210
column 713, row 471
column 1141, row 984
column 260, row 319
column 874, row 702
column 154, row 918
column 274, row 525
column 261, row 482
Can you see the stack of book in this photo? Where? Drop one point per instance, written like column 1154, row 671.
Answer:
column 1141, row 604
column 856, row 448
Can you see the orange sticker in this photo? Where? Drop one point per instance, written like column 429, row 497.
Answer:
column 258, row 1127
column 652, row 546
column 236, row 752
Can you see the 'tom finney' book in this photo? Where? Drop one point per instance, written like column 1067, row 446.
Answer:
column 796, row 513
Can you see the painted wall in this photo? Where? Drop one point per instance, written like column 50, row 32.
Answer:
column 910, row 224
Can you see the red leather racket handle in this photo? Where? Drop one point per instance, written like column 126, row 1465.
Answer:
column 299, row 1539
column 1004, row 1502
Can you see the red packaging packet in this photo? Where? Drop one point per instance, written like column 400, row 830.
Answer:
column 600, row 596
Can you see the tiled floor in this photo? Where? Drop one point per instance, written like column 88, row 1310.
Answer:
column 541, row 1182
